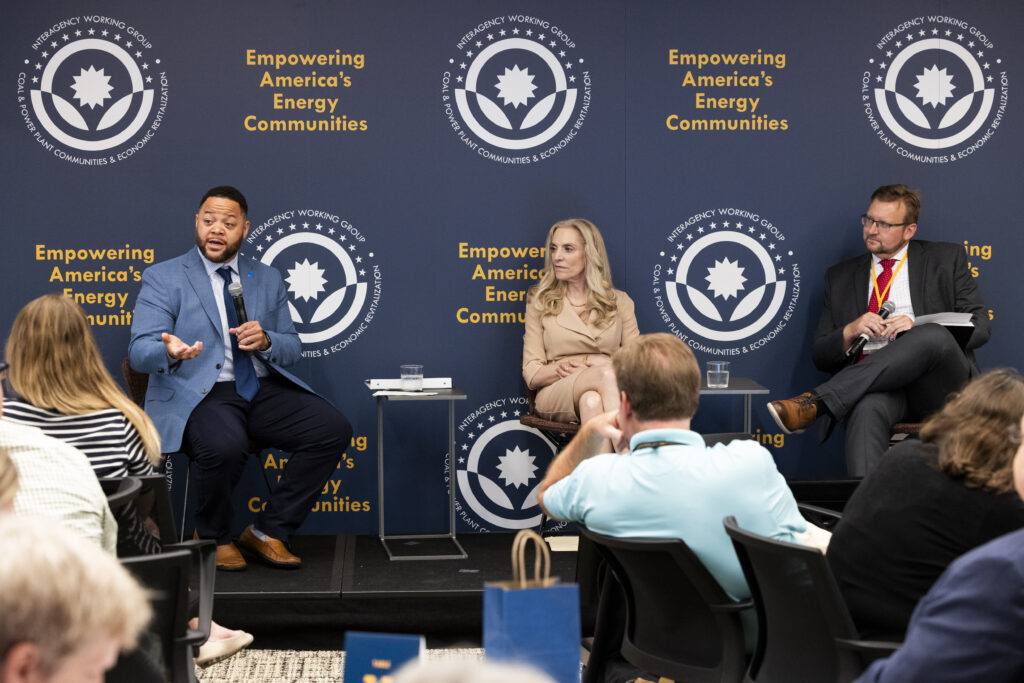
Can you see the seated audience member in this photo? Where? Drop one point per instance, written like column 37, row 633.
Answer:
column 64, row 389
column 968, row 626
column 74, row 420
column 216, row 382
column 664, row 482
column 55, row 480
column 66, row 607
column 929, row 502
column 575, row 320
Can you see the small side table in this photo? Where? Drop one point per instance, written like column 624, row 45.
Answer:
column 737, row 385
column 451, row 395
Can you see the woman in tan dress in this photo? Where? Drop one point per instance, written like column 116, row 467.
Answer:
column 575, row 321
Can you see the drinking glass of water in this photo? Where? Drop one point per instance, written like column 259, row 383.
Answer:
column 718, row 374
column 412, row 377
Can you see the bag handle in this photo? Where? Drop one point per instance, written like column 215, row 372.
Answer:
column 522, row 539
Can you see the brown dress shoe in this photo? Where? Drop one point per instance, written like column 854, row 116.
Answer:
column 794, row 415
column 271, row 551
column 229, row 559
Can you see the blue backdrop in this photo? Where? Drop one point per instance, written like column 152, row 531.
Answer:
column 404, row 160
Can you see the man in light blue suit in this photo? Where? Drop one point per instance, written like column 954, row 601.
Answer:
column 216, row 382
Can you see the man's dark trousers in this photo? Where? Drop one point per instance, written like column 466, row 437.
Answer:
column 281, row 415
column 909, row 378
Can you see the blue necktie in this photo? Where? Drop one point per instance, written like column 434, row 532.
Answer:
column 246, row 382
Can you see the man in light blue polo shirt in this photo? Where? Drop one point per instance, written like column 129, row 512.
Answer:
column 664, row 482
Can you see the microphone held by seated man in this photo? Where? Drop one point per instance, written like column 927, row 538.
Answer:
column 217, row 382
column 906, row 372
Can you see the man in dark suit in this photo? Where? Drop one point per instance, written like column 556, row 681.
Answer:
column 906, row 372
column 209, row 396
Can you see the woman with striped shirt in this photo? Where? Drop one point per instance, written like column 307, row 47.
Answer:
column 64, row 389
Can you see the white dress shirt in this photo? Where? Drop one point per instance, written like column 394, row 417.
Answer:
column 899, row 292
column 227, row 370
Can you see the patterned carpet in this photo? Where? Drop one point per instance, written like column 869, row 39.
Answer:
column 298, row 666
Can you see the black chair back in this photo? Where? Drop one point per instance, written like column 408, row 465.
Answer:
column 166, row 576
column 161, row 509
column 805, row 630
column 120, row 491
column 680, row 623
column 152, row 491
column 826, row 518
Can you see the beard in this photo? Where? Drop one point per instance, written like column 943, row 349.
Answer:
column 230, row 249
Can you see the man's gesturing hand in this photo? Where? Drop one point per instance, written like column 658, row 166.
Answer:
column 178, row 349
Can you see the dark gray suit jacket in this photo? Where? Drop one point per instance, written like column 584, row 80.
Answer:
column 940, row 281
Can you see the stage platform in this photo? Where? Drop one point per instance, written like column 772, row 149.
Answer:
column 348, row 583
column 336, row 567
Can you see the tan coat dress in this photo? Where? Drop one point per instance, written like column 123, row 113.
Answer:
column 549, row 339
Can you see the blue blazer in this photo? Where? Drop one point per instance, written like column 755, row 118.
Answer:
column 176, row 297
column 969, row 626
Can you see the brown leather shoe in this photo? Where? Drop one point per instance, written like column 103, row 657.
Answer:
column 794, row 415
column 229, row 559
column 271, row 551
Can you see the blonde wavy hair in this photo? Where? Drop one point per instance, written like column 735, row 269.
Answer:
column 55, row 364
column 547, row 295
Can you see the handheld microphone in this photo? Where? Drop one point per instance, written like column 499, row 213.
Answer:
column 884, row 312
column 235, row 290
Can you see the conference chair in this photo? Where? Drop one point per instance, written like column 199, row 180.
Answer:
column 137, row 383
column 120, row 491
column 805, row 632
column 203, row 571
column 833, row 494
column 820, row 516
column 154, row 500
column 904, row 430
column 166, row 576
column 559, row 433
column 678, row 621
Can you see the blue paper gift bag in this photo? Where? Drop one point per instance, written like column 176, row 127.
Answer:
column 534, row 621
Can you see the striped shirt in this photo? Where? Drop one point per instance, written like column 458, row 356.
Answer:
column 107, row 438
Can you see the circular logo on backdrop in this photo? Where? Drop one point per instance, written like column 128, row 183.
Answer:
column 93, row 92
column 499, row 464
column 333, row 280
column 935, row 89
column 516, row 89
column 727, row 282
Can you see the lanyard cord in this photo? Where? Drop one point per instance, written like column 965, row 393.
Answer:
column 656, row 444
column 874, row 278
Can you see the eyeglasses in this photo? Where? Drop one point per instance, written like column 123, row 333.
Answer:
column 867, row 220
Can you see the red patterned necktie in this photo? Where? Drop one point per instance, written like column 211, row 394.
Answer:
column 881, row 285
